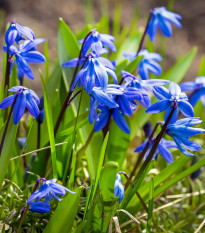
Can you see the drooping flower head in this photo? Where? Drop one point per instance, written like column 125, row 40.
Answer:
column 48, row 190
column 97, row 41
column 94, row 74
column 118, row 188
column 41, row 111
column 24, row 54
column 15, row 33
column 162, row 18
column 162, row 149
column 197, row 87
column 24, row 98
column 148, row 64
column 182, row 130
column 169, row 99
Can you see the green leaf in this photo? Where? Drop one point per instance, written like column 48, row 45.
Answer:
column 68, row 48
column 80, row 228
column 7, row 150
column 49, row 119
column 107, row 181
column 64, row 215
column 118, row 145
column 47, row 61
column 151, row 205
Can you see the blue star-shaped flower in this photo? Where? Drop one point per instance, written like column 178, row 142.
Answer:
column 198, row 88
column 182, row 130
column 118, row 188
column 162, row 18
column 24, row 98
column 24, row 54
column 169, row 98
column 48, row 190
column 15, row 33
column 148, row 64
column 162, row 149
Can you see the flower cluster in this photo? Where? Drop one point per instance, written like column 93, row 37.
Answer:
column 48, row 190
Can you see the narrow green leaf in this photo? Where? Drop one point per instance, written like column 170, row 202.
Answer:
column 46, row 62
column 150, row 207
column 7, row 150
column 64, row 215
column 49, row 119
column 117, row 20
column 202, row 67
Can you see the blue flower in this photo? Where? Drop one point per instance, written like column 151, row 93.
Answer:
column 48, row 190
column 148, row 63
column 182, row 130
column 196, row 173
column 26, row 53
column 98, row 96
column 118, row 188
column 97, row 41
column 162, row 18
column 15, row 33
column 169, row 98
column 143, row 86
column 25, row 98
column 40, row 207
column 94, row 73
column 198, row 88
column 162, row 149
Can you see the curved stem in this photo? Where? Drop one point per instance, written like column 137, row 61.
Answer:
column 7, row 75
column 64, row 106
column 26, row 208
column 144, row 33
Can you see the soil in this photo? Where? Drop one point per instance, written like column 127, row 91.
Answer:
column 42, row 16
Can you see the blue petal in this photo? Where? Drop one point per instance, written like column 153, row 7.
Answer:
column 124, row 105
column 24, row 67
column 26, row 31
column 178, row 142
column 103, row 118
column 160, row 106
column 154, row 82
column 71, row 63
column 141, row 147
column 174, row 116
column 16, row 88
column 174, row 89
column 32, row 106
column 101, row 74
column 33, row 57
column 161, row 93
column 165, row 153
column 19, row 107
column 152, row 27
column 165, row 26
column 107, row 41
column 186, row 108
column 77, row 77
column 195, row 97
column 8, row 101
column 172, row 17
column 187, row 86
column 28, row 45
column 120, row 121
column 105, row 62
column 40, row 207
column 190, row 145
column 10, row 36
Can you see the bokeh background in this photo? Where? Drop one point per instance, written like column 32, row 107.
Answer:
column 42, row 16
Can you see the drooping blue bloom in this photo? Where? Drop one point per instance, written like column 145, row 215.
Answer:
column 182, row 130
column 162, row 18
column 198, row 88
column 24, row 54
column 98, row 96
column 41, row 111
column 169, row 98
column 97, row 41
column 15, row 33
column 95, row 73
column 40, row 207
column 25, row 98
column 162, row 149
column 147, row 128
column 48, row 190
column 143, row 86
column 148, row 63
column 118, row 188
